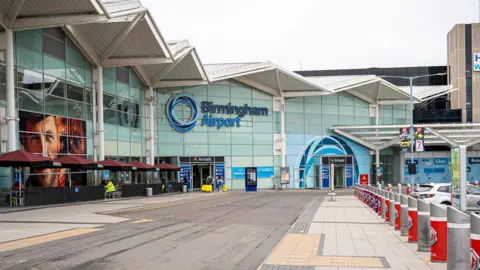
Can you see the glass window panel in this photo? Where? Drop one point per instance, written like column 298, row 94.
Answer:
column 88, row 96
column 109, row 85
column 55, row 105
column 89, row 112
column 3, row 95
column 136, row 135
column 29, row 80
column 53, row 86
column 88, row 74
column 29, row 59
column 75, row 92
column 75, row 57
column 55, row 32
column 109, row 102
column 30, row 100
column 75, row 74
column 123, row 90
column 30, row 39
column 122, row 75
column 3, row 73
column 53, row 47
column 54, row 67
column 110, row 116
column 123, row 134
column 134, row 94
column 76, row 109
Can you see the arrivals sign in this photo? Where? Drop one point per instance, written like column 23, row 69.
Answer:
column 209, row 110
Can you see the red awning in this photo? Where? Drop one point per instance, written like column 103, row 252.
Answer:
column 21, row 158
column 78, row 162
column 143, row 166
column 167, row 167
column 114, row 165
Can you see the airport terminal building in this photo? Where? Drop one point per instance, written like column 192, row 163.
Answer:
column 97, row 79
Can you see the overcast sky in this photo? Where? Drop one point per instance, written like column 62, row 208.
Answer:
column 315, row 34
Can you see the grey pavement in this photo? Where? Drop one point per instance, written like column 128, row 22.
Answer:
column 235, row 231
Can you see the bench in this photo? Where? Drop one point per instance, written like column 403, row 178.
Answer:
column 117, row 193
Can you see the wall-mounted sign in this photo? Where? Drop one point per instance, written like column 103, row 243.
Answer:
column 238, row 173
column 202, row 159
column 265, row 172
column 476, row 62
column 474, row 160
column 208, row 108
column 363, row 179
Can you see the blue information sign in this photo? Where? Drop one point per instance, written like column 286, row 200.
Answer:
column 325, row 177
column 220, row 171
column 185, row 171
column 265, row 172
column 349, row 175
column 238, row 173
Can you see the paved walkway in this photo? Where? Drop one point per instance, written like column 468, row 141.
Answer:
column 35, row 222
column 345, row 234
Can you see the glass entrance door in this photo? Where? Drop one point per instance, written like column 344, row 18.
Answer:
column 339, row 176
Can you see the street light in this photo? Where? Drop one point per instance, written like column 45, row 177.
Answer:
column 412, row 137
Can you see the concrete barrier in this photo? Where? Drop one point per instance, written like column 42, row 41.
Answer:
column 423, row 226
column 403, row 215
column 412, row 220
column 438, row 233
column 458, row 239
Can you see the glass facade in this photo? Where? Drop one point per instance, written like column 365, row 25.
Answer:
column 53, row 97
column 250, row 145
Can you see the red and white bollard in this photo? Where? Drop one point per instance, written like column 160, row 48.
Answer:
column 409, row 189
column 438, row 233
column 476, row 183
column 412, row 220
column 475, row 240
column 389, row 188
column 387, row 207
column 380, row 201
column 397, row 212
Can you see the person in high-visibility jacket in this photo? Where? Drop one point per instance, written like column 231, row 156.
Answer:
column 110, row 187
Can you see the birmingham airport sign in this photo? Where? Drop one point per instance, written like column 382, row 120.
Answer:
column 209, row 108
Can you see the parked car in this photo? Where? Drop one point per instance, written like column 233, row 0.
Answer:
column 441, row 193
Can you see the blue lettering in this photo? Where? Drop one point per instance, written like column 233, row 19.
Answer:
column 205, row 106
column 205, row 119
column 477, row 56
column 238, row 121
column 220, row 122
column 476, row 67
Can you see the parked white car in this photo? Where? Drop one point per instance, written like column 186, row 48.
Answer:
column 441, row 193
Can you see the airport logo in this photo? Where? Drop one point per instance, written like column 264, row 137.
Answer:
column 182, row 125
column 433, row 236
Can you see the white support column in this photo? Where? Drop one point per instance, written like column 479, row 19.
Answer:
column 151, row 126
column 377, row 158
column 463, row 178
column 11, row 115
column 101, row 128
column 282, row 132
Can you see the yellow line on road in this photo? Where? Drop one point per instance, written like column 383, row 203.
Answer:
column 27, row 242
column 142, row 220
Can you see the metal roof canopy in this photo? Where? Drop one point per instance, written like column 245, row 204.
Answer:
column 264, row 76
column 110, row 33
column 383, row 136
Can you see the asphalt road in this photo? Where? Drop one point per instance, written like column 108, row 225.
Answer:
column 235, row 231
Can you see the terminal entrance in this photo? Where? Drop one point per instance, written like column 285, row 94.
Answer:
column 200, row 174
column 339, row 176
column 338, row 168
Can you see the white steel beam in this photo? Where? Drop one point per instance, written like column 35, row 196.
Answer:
column 355, row 139
column 393, row 102
column 389, row 143
column 81, row 42
column 406, row 125
column 303, row 93
column 259, row 86
column 142, row 75
column 472, row 142
column 56, row 21
column 164, row 72
column 179, row 83
column 103, row 8
column 3, row 22
column 199, row 65
column 280, row 90
column 134, row 61
column 442, row 137
column 120, row 38
column 361, row 96
column 13, row 12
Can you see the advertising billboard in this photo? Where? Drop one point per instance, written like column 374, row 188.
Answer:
column 53, row 136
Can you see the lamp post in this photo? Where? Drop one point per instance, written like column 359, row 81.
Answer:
column 412, row 133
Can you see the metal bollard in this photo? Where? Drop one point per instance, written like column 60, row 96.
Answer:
column 438, row 233
column 397, row 211
column 404, row 215
column 400, row 189
column 377, row 201
column 475, row 240
column 389, row 188
column 387, row 206
column 412, row 220
column 458, row 240
column 383, row 194
column 392, row 209
column 409, row 189
column 423, row 226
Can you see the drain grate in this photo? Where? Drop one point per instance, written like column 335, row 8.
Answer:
column 302, row 225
